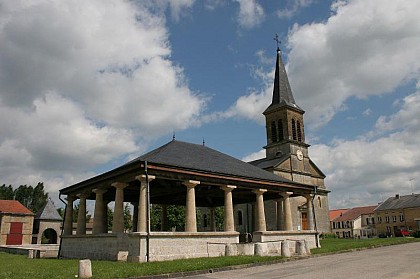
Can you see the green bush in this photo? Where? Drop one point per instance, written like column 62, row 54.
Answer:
column 416, row 234
column 328, row 235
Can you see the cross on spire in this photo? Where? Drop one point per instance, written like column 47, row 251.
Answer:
column 277, row 41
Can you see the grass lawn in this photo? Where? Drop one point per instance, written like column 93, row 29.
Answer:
column 330, row 245
column 19, row 266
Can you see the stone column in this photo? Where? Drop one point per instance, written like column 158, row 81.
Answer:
column 213, row 219
column 142, row 216
column 135, row 215
column 229, row 223
column 105, row 216
column 261, row 225
column 118, row 220
column 68, row 219
column 310, row 217
column 164, row 218
column 98, row 226
column 190, row 210
column 288, row 226
column 81, row 215
column 280, row 215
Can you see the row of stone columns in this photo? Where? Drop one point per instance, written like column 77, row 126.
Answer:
column 284, row 214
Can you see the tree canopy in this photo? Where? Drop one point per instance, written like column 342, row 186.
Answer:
column 33, row 198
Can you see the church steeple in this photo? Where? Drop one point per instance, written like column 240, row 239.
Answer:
column 282, row 92
column 284, row 118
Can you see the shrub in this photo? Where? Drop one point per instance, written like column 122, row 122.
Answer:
column 328, row 235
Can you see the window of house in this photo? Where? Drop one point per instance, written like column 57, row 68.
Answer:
column 273, row 132
column 401, row 217
column 367, row 221
column 387, row 219
column 319, row 202
column 394, row 218
column 379, row 219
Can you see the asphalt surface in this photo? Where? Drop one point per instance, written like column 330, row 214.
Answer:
column 397, row 261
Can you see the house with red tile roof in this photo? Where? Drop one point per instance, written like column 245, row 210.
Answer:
column 16, row 223
column 357, row 222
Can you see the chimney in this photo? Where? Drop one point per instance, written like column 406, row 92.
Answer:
column 397, row 196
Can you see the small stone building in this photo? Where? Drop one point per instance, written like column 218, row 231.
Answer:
column 47, row 225
column 16, row 223
column 396, row 213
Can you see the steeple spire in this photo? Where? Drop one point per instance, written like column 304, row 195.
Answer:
column 282, row 93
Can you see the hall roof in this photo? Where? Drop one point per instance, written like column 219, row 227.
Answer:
column 195, row 156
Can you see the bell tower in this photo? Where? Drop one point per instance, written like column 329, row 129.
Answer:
column 284, row 119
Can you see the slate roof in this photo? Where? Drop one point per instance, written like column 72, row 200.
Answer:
column 48, row 212
column 282, row 92
column 355, row 212
column 399, row 202
column 198, row 157
column 13, row 207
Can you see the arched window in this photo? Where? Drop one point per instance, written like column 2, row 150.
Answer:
column 294, row 129
column 299, row 131
column 280, row 127
column 240, row 221
column 273, row 132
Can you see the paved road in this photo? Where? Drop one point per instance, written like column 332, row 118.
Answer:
column 398, row 261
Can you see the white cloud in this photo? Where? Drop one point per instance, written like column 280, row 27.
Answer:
column 82, row 83
column 293, row 7
column 251, row 13
column 366, row 170
column 355, row 53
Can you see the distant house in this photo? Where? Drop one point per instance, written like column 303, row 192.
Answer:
column 396, row 213
column 357, row 222
column 47, row 225
column 16, row 222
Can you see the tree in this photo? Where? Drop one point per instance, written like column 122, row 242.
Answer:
column 32, row 198
column 6, row 192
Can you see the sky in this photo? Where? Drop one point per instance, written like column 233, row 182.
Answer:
column 87, row 85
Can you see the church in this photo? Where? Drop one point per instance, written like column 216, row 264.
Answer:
column 266, row 203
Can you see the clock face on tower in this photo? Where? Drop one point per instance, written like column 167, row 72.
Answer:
column 299, row 155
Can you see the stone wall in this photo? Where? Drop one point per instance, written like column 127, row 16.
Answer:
column 180, row 245
column 94, row 247
column 132, row 247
